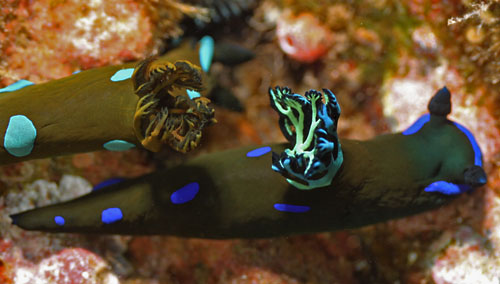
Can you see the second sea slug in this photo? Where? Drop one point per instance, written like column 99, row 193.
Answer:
column 317, row 183
column 152, row 103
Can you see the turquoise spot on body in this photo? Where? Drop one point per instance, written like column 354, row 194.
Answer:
column 193, row 94
column 111, row 215
column 122, row 74
column 16, row 86
column 20, row 136
column 206, row 52
column 118, row 145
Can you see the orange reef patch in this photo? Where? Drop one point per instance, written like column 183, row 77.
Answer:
column 48, row 40
column 303, row 37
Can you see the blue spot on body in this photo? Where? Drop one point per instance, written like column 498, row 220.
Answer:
column 111, row 215
column 259, row 152
column 76, row 72
column 185, row 194
column 59, row 220
column 447, row 188
column 118, row 145
column 206, row 52
column 16, row 86
column 417, row 125
column 478, row 156
column 291, row 208
column 107, row 182
column 192, row 94
column 122, row 74
column 20, row 136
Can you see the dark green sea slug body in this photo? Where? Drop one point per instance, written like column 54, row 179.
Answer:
column 151, row 103
column 237, row 194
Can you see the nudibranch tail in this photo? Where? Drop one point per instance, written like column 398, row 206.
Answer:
column 164, row 118
column 310, row 124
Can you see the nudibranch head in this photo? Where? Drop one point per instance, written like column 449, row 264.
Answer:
column 310, row 124
column 164, row 118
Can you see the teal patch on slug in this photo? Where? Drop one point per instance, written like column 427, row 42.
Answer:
column 16, row 86
column 193, row 94
column 185, row 194
column 206, row 52
column 20, row 136
column 259, row 152
column 111, row 215
column 122, row 74
column 59, row 220
column 118, row 145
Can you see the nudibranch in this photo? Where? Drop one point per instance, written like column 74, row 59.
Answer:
column 319, row 182
column 158, row 101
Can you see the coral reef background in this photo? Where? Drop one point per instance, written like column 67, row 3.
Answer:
column 382, row 58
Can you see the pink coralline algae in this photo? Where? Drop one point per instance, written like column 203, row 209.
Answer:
column 51, row 39
column 471, row 258
column 71, row 265
column 303, row 37
column 27, row 258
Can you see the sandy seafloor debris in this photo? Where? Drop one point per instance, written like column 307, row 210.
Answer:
column 384, row 59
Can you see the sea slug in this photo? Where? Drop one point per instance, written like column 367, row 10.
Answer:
column 238, row 193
